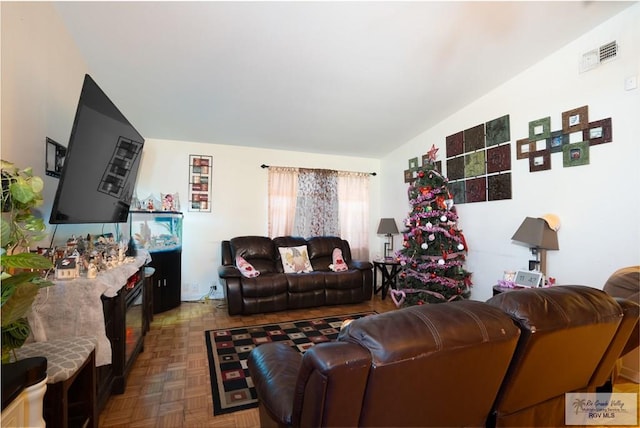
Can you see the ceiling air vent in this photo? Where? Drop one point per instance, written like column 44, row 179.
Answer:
column 595, row 57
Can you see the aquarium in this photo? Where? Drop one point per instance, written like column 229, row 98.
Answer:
column 156, row 231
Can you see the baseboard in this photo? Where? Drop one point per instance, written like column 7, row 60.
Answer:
column 630, row 374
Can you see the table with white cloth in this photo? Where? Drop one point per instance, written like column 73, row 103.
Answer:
column 73, row 308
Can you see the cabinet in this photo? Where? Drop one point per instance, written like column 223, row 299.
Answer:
column 160, row 232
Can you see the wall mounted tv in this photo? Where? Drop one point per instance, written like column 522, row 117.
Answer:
column 101, row 165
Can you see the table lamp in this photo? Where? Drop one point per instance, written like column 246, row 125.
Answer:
column 540, row 234
column 388, row 228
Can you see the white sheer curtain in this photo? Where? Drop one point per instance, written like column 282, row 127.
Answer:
column 353, row 197
column 283, row 187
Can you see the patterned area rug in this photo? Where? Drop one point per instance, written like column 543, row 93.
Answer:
column 228, row 350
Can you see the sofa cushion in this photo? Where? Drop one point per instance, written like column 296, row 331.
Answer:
column 264, row 285
column 295, row 259
column 257, row 250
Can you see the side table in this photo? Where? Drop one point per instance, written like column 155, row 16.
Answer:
column 389, row 270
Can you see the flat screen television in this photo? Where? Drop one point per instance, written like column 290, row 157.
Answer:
column 101, row 165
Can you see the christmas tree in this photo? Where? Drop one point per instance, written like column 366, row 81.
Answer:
column 434, row 248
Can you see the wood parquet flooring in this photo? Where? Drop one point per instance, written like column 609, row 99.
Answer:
column 169, row 387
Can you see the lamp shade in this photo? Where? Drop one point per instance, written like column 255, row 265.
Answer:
column 387, row 226
column 536, row 233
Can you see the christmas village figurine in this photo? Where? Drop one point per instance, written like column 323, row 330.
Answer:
column 67, row 268
column 434, row 248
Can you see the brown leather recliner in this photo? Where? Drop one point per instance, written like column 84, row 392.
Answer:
column 566, row 330
column 410, row 367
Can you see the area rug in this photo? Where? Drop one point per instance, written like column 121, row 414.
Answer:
column 228, row 349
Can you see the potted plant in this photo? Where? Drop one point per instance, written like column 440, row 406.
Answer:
column 21, row 269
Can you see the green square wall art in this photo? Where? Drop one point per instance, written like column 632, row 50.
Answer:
column 575, row 154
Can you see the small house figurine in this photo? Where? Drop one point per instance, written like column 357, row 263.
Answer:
column 67, row 268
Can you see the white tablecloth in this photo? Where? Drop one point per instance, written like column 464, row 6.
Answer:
column 73, row 308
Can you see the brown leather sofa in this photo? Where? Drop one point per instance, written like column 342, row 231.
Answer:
column 274, row 290
column 505, row 362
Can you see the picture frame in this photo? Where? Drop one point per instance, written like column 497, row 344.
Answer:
column 498, row 131
column 556, row 141
column 523, row 148
column 200, row 174
column 413, row 164
column 598, row 132
column 575, row 120
column 540, row 129
column 540, row 160
column 575, row 154
column 528, row 278
column 408, row 176
column 54, row 157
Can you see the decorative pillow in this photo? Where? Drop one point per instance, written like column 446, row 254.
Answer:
column 338, row 262
column 245, row 268
column 295, row 259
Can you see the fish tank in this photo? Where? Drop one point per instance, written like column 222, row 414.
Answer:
column 156, row 231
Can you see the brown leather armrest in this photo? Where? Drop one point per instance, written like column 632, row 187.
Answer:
column 228, row 271
column 274, row 368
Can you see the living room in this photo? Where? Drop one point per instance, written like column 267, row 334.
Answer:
column 42, row 71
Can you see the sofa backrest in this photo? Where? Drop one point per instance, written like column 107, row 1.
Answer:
column 565, row 333
column 321, row 251
column 433, row 365
column 257, row 250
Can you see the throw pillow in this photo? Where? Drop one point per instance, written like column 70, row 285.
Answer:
column 338, row 264
column 295, row 259
column 245, row 268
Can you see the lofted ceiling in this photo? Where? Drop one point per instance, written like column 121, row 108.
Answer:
column 352, row 78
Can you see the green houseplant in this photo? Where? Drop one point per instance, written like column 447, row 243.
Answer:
column 21, row 269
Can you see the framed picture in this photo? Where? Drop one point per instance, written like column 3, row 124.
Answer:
column 539, row 160
column 455, row 144
column 575, row 154
column 55, row 155
column 413, row 164
column 498, row 131
column 523, row 148
column 598, row 132
column 474, row 138
column 408, row 176
column 540, row 129
column 556, row 140
column 575, row 120
column 200, row 173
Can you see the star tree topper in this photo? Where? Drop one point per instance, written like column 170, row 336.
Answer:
column 432, row 153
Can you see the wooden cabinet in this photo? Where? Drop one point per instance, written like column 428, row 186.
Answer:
column 167, row 279
column 160, row 233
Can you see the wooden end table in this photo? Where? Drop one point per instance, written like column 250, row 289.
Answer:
column 389, row 270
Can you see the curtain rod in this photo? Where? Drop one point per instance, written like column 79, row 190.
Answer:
column 370, row 173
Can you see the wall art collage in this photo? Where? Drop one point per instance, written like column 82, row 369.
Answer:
column 478, row 162
column 542, row 142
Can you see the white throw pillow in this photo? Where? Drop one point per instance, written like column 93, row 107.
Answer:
column 295, row 259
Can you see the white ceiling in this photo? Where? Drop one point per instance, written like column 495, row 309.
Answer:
column 357, row 78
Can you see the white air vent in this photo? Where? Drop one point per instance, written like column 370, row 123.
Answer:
column 595, row 57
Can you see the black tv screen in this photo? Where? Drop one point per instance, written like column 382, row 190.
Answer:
column 101, row 164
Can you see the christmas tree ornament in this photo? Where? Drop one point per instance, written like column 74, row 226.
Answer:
column 432, row 237
column 443, row 218
column 424, row 246
column 460, row 247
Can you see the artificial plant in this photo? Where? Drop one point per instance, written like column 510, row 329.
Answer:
column 21, row 269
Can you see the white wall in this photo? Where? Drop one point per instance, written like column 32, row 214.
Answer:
column 598, row 203
column 239, row 197
column 42, row 73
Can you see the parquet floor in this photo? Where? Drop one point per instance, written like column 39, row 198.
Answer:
column 169, row 383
